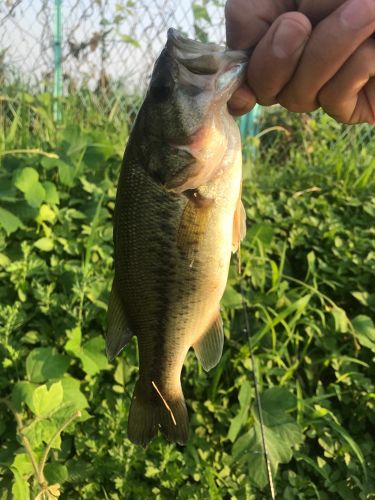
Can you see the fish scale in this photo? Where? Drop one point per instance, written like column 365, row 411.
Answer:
column 149, row 267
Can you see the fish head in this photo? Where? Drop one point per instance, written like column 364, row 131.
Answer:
column 190, row 81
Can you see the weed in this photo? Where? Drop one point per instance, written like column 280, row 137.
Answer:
column 308, row 275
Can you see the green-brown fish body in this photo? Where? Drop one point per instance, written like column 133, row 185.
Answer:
column 178, row 217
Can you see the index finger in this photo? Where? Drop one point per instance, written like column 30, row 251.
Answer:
column 248, row 20
column 316, row 10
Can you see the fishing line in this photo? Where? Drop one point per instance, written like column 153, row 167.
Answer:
column 256, row 387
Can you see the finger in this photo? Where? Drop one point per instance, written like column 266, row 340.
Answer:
column 350, row 95
column 332, row 42
column 248, row 20
column 242, row 101
column 276, row 56
column 316, row 10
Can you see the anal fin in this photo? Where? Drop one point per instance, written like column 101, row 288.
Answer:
column 118, row 332
column 209, row 347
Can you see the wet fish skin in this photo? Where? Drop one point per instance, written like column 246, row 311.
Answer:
column 178, row 216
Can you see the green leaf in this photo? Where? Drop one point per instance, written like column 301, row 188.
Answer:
column 66, row 173
column 27, row 181
column 56, row 473
column 9, row 221
column 73, row 397
column 98, row 151
column 200, row 34
column 311, row 261
column 261, row 232
column 365, row 330
column 277, row 399
column 35, row 195
column 48, row 163
column 25, row 178
column 200, row 12
column 239, row 420
column 129, row 39
column 44, row 244
column 231, row 298
column 40, row 432
column 280, row 441
column 4, row 260
column 20, row 488
column 91, row 353
column 44, row 363
column 74, row 343
column 22, row 463
column 44, row 400
column 46, row 214
column 8, row 191
column 341, row 319
column 120, row 372
column 362, row 297
column 282, row 434
column 52, row 195
column 93, row 356
column 353, row 445
column 22, row 392
column 299, row 305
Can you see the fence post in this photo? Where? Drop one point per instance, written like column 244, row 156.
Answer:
column 57, row 73
column 249, row 127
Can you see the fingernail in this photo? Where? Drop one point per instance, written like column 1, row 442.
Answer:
column 288, row 38
column 357, row 14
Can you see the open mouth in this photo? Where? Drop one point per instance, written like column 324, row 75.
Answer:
column 203, row 58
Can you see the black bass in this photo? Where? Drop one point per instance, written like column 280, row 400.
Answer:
column 178, row 217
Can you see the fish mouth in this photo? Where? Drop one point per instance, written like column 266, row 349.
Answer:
column 201, row 60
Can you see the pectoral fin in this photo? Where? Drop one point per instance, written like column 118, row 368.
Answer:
column 239, row 225
column 118, row 331
column 194, row 222
column 209, row 347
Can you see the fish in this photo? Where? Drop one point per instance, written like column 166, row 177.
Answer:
column 178, row 217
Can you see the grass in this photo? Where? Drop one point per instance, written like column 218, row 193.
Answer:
column 308, row 276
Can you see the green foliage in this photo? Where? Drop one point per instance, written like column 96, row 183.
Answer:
column 308, row 273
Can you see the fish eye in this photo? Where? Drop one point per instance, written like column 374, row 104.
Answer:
column 161, row 88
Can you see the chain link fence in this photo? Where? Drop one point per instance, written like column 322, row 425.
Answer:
column 103, row 42
column 104, row 50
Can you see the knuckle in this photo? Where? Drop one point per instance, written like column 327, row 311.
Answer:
column 234, row 11
column 332, row 105
column 338, row 117
column 301, row 105
column 366, row 51
column 296, row 19
column 263, row 89
column 326, row 97
column 266, row 101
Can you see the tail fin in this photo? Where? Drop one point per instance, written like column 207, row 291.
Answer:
column 150, row 411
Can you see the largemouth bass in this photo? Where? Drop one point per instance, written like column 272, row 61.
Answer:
column 178, row 217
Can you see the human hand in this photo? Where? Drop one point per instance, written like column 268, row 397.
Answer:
column 306, row 54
